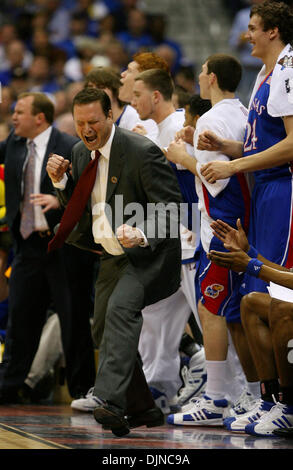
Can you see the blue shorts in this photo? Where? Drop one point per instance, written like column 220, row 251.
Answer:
column 217, row 288
column 270, row 230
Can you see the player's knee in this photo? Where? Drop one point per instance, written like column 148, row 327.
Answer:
column 280, row 313
column 248, row 306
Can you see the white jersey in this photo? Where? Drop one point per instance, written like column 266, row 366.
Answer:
column 169, row 126
column 167, row 131
column 280, row 101
column 226, row 118
column 130, row 118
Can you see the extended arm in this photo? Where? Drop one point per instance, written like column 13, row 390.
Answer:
column 236, row 240
column 177, row 153
column 210, row 141
column 57, row 169
column 241, row 254
column 238, row 261
column 278, row 154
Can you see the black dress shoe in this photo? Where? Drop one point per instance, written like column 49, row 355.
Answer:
column 18, row 396
column 110, row 419
column 149, row 418
column 284, row 432
column 44, row 388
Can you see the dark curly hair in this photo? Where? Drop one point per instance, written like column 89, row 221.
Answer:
column 276, row 14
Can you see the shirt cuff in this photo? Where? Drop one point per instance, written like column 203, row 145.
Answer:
column 145, row 242
column 62, row 183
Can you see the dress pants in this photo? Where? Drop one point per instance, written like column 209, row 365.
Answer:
column 80, row 271
column 37, row 281
column 117, row 324
column 50, row 351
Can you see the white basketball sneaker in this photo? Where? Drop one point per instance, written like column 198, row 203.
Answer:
column 280, row 416
column 204, row 411
column 194, row 378
column 88, row 403
column 246, row 402
column 238, row 423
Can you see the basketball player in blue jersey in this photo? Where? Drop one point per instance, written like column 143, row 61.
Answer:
column 268, row 152
column 268, row 325
column 218, row 303
column 268, row 141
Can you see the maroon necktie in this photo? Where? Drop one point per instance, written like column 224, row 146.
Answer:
column 76, row 203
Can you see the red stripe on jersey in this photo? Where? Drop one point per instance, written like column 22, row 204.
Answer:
column 268, row 82
column 206, row 198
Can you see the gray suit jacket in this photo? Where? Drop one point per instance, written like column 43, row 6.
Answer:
column 138, row 173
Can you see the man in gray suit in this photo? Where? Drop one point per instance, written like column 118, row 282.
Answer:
column 133, row 218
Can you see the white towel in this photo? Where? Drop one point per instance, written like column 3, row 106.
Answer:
column 280, row 102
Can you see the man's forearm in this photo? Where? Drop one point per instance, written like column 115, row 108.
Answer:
column 277, row 155
column 272, row 265
column 65, row 191
column 232, row 148
column 282, row 278
column 189, row 163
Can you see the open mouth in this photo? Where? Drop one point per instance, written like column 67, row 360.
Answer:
column 90, row 139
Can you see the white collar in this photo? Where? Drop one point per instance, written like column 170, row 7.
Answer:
column 42, row 138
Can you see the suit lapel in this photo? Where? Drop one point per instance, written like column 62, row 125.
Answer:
column 21, row 156
column 83, row 160
column 115, row 165
column 50, row 149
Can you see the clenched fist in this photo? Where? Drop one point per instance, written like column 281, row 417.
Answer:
column 56, row 167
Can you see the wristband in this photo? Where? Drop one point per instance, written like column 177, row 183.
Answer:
column 253, row 267
column 252, row 252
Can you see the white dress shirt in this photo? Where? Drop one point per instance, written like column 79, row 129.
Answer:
column 41, row 142
column 102, row 230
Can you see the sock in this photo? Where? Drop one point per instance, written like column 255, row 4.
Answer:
column 269, row 390
column 253, row 388
column 286, row 395
column 216, row 379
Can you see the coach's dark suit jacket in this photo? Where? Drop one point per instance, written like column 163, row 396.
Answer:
column 13, row 153
column 140, row 173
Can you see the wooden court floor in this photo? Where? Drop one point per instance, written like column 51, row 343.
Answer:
column 60, row 429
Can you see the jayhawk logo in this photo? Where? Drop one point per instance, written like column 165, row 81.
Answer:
column 213, row 290
column 286, row 61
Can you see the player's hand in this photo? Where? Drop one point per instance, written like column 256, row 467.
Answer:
column 232, row 239
column 185, row 134
column 208, row 140
column 176, row 151
column 139, row 129
column 217, row 170
column 236, row 260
